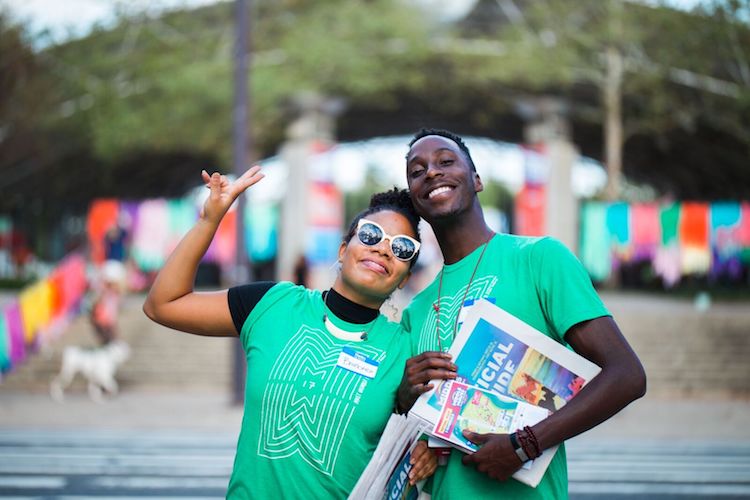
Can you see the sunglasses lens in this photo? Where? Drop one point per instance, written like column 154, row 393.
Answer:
column 403, row 248
column 370, row 234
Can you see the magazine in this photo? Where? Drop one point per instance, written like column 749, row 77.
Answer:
column 476, row 410
column 499, row 354
column 398, row 486
column 387, row 473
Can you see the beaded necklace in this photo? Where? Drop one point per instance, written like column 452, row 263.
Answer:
column 436, row 305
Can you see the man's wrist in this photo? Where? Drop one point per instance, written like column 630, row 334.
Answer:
column 520, row 453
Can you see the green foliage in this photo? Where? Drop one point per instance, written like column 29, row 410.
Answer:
column 164, row 84
column 497, row 195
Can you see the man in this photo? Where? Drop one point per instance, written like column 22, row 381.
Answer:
column 536, row 279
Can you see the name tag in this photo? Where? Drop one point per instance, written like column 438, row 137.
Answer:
column 351, row 360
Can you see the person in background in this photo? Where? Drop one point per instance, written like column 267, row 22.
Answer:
column 301, row 271
column 537, row 280
column 322, row 368
column 115, row 240
column 106, row 302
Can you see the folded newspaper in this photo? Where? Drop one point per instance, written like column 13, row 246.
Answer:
column 387, row 473
column 509, row 375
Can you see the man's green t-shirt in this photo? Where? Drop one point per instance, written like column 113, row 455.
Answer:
column 315, row 405
column 537, row 280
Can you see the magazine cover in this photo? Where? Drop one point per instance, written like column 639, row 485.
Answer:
column 471, row 408
column 503, row 356
column 387, row 473
column 398, row 487
column 500, row 353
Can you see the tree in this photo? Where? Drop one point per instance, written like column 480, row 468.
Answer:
column 641, row 71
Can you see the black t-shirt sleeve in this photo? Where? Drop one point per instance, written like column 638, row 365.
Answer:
column 244, row 298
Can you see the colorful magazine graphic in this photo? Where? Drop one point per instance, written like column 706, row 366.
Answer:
column 500, row 357
column 398, row 487
column 471, row 408
column 495, row 360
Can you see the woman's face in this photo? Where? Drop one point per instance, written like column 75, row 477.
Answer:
column 369, row 274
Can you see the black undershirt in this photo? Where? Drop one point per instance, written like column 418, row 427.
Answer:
column 243, row 299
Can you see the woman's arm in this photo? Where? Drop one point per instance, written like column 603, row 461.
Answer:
column 172, row 301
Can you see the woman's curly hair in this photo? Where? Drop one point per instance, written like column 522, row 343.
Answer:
column 396, row 200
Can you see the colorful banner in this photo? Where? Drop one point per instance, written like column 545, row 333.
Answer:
column 41, row 311
column 156, row 227
column 678, row 239
column 529, row 211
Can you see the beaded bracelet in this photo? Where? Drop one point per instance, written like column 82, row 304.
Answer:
column 534, row 440
column 528, row 442
column 526, row 446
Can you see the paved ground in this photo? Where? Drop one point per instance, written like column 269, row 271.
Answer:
column 650, row 417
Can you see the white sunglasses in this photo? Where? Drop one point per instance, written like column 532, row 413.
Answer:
column 371, row 233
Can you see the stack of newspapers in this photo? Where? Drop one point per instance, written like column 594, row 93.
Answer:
column 387, row 474
column 510, row 375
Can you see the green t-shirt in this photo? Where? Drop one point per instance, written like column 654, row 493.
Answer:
column 539, row 281
column 315, row 405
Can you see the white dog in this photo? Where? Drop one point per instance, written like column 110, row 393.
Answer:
column 98, row 366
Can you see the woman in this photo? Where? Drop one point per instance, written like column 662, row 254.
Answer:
column 323, row 369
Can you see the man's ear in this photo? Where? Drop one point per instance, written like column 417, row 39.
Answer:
column 478, row 184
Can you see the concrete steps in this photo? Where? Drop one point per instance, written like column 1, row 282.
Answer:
column 160, row 357
column 684, row 351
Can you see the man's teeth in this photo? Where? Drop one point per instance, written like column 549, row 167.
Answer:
column 438, row 191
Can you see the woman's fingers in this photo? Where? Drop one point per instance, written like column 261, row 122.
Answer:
column 424, row 462
column 215, row 186
column 250, row 177
column 233, row 189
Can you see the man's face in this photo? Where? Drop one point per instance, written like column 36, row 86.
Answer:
column 441, row 181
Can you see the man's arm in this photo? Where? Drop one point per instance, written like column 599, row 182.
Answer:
column 621, row 381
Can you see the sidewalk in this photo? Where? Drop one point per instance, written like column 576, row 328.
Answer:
column 648, row 418
column 130, row 410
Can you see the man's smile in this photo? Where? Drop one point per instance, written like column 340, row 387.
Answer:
column 438, row 191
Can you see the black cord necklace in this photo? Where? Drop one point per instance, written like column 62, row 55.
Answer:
column 436, row 305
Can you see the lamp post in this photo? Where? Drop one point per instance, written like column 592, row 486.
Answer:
column 242, row 151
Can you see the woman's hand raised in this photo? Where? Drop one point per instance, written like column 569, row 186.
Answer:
column 223, row 193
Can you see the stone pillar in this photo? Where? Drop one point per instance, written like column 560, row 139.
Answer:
column 313, row 125
column 561, row 211
column 547, row 124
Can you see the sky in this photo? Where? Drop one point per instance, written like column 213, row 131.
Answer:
column 64, row 18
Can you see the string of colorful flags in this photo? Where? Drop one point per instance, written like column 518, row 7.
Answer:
column 676, row 239
column 41, row 311
column 154, row 227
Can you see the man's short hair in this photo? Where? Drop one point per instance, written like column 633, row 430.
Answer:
column 424, row 132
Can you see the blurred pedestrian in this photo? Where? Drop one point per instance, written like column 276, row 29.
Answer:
column 301, row 271
column 115, row 240
column 322, row 368
column 107, row 297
